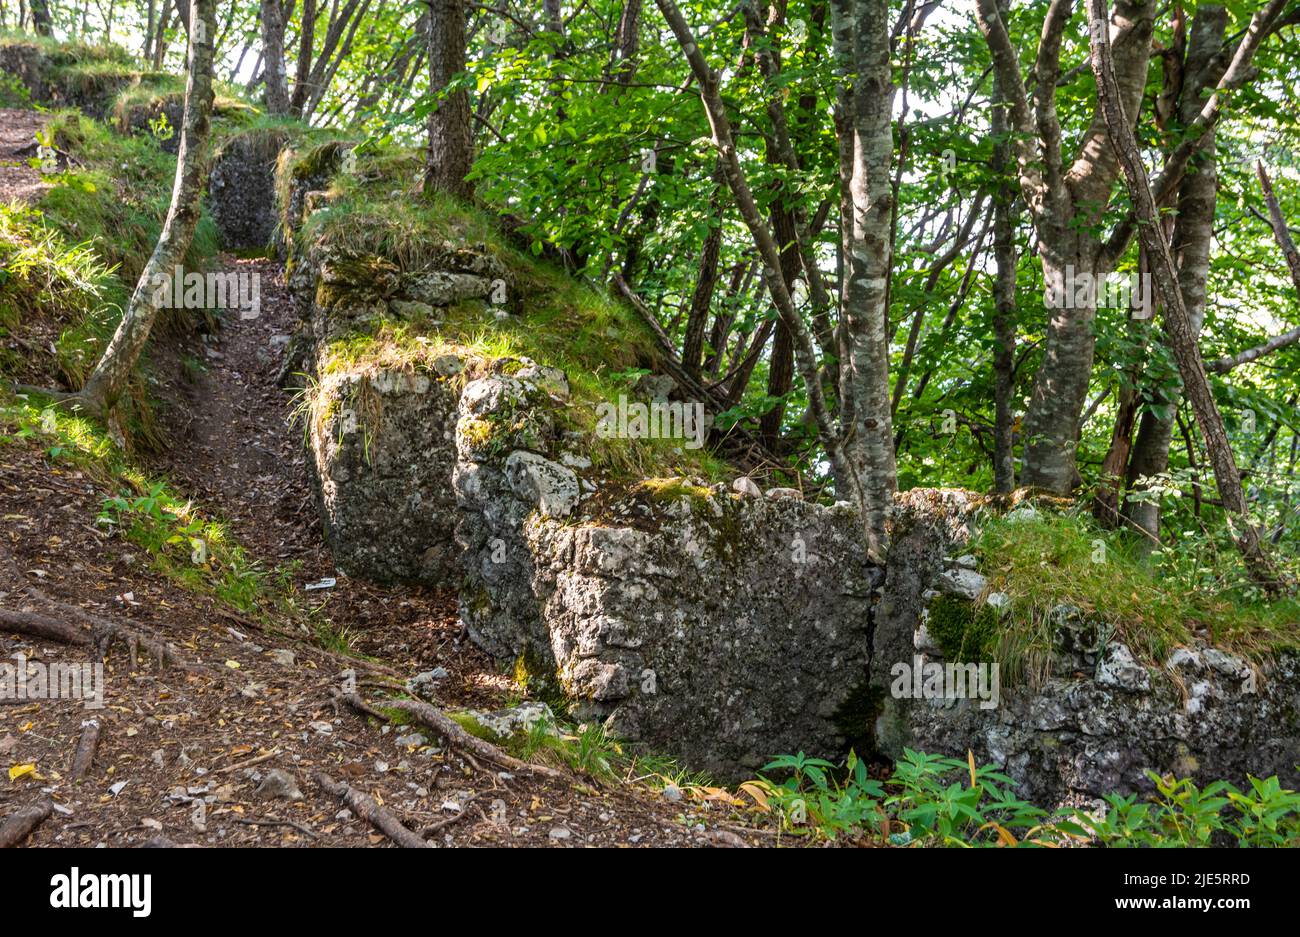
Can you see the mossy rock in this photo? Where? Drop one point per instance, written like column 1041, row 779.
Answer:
column 965, row 632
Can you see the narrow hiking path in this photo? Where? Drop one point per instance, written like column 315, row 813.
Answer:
column 190, row 756
column 235, row 446
column 19, row 182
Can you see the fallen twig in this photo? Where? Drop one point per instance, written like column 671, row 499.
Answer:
column 305, row 830
column 364, row 806
column 248, row 763
column 85, row 753
column 433, row 718
column 19, row 824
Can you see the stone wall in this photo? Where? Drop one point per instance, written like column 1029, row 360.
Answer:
column 382, row 452
column 1094, row 720
column 381, row 428
column 241, row 190
column 720, row 627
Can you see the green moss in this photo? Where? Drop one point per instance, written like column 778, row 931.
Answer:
column 1052, row 559
column 537, row 679
column 966, row 633
column 671, row 489
column 376, row 212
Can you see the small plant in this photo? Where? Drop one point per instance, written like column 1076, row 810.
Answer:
column 941, row 801
column 814, row 798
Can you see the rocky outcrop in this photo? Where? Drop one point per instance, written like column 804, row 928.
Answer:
column 381, row 419
column 383, row 451
column 720, row 624
column 241, row 190
column 1092, row 719
column 719, row 627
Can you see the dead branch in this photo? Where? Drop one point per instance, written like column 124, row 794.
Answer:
column 31, row 625
column 19, row 824
column 451, row 732
column 364, row 806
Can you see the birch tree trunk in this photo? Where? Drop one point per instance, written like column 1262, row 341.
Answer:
column 108, row 382
column 450, row 151
column 1178, row 324
column 275, row 76
column 861, row 41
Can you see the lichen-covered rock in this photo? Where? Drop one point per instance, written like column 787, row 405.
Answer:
column 1080, row 737
column 1100, row 719
column 718, row 628
column 501, row 481
column 383, row 450
column 241, row 190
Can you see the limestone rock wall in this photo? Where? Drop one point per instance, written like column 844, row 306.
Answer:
column 382, row 442
column 1097, row 720
column 241, row 190
column 722, row 628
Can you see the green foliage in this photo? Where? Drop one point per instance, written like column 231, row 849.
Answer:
column 813, row 797
column 931, row 800
column 1147, row 601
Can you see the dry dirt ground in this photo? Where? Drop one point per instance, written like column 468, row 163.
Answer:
column 184, row 752
column 19, row 182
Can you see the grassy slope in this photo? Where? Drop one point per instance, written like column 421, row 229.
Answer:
column 560, row 321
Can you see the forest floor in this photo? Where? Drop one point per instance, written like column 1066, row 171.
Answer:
column 19, row 182
column 185, row 754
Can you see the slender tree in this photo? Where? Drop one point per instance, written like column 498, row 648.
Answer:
column 108, row 382
column 275, row 76
column 1178, row 325
column 450, row 149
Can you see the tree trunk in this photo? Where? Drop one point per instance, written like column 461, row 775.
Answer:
column 861, row 37
column 450, row 151
column 705, row 282
column 1004, row 298
column 306, row 45
column 804, row 352
column 275, row 76
column 108, row 382
column 1177, row 322
column 1193, row 233
column 1066, row 204
column 41, row 18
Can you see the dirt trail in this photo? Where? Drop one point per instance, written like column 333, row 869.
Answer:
column 19, row 182
column 186, row 755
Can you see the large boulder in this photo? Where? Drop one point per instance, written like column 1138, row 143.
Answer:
column 382, row 441
column 688, row 619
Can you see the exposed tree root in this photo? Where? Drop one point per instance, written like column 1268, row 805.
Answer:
column 102, row 633
column 456, row 737
column 364, row 806
column 32, row 625
column 19, row 824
